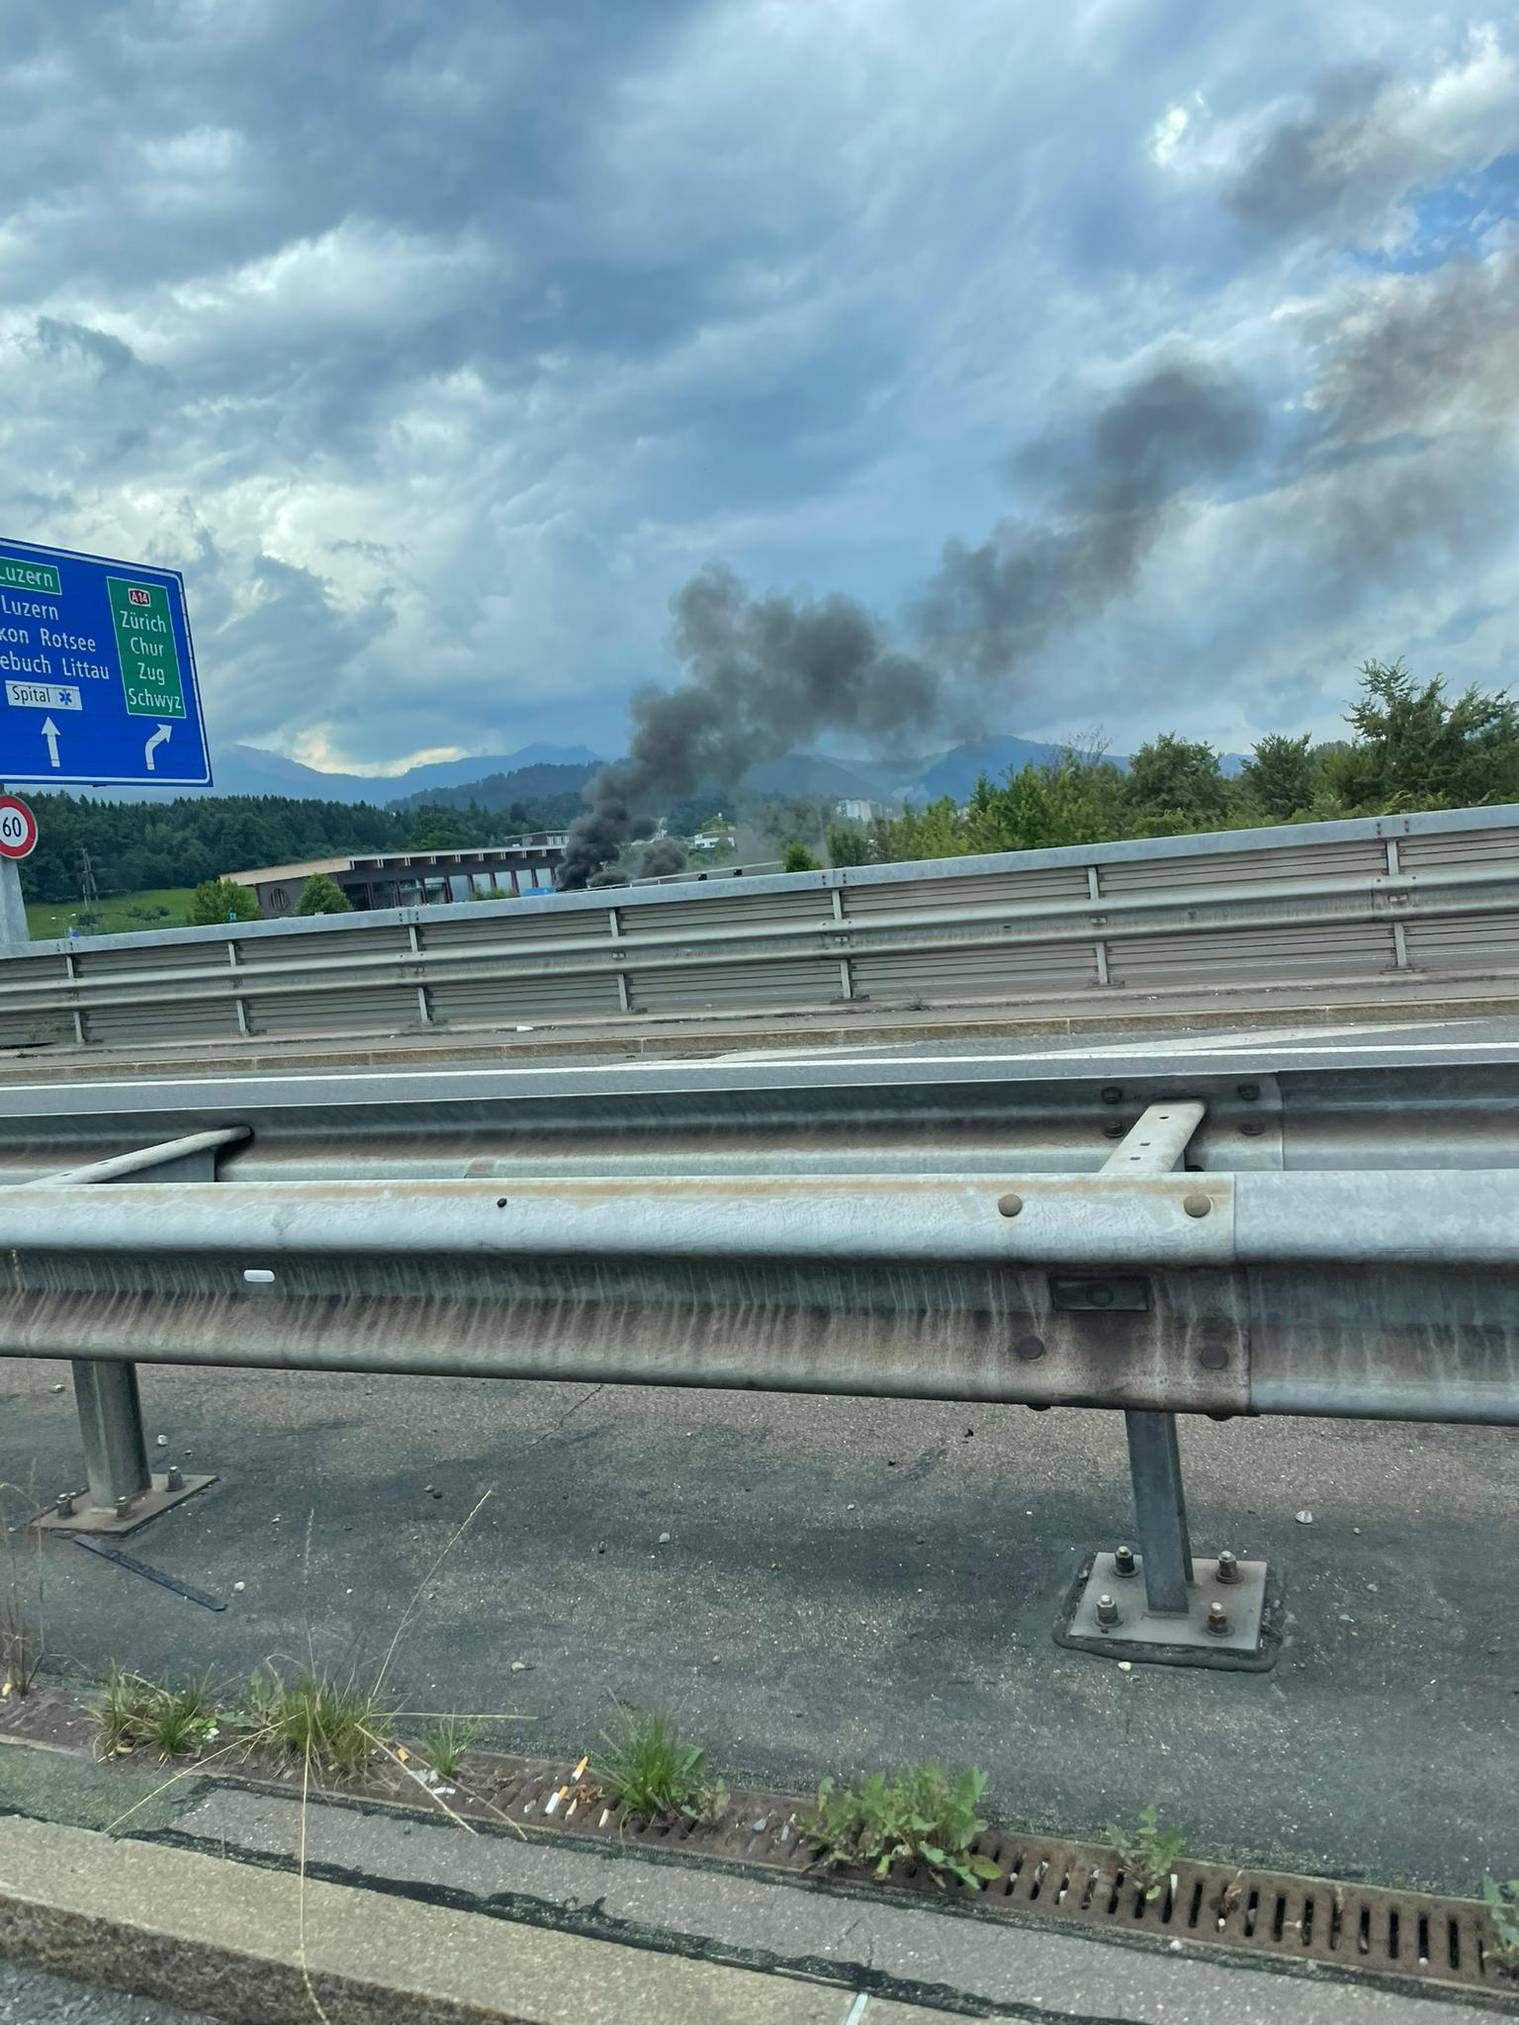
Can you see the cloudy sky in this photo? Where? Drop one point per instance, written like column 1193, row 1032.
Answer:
column 1141, row 365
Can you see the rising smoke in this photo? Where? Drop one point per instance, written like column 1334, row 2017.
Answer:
column 763, row 673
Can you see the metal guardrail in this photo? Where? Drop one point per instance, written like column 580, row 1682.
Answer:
column 1330, row 1240
column 1427, row 893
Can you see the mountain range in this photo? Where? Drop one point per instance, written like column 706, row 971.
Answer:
column 248, row 770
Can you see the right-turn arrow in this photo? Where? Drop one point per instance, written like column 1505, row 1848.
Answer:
column 160, row 737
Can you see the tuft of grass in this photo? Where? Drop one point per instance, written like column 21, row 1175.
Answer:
column 444, row 1744
column 1502, row 1902
column 651, row 1769
column 138, row 1714
column 1149, row 1853
column 920, row 1814
column 21, row 1595
column 331, row 1725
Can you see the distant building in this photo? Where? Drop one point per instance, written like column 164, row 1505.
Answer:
column 414, row 878
column 854, row 810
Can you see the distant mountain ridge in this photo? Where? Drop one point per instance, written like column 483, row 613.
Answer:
column 247, row 770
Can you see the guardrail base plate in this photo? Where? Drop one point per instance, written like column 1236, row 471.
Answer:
column 1251, row 1604
column 87, row 1518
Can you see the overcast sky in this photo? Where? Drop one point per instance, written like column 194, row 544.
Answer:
column 441, row 344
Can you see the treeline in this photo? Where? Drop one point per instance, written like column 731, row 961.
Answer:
column 137, row 845
column 1412, row 747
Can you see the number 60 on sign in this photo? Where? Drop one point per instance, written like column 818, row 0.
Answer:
column 18, row 828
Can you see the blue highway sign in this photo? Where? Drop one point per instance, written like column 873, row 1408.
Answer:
column 97, row 673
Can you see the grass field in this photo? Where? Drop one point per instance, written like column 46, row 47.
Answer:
column 121, row 914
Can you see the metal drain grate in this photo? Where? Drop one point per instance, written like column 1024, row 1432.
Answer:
column 1446, row 1941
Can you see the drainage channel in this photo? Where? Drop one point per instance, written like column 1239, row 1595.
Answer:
column 1411, row 1935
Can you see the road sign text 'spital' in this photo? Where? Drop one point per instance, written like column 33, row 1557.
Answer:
column 97, row 673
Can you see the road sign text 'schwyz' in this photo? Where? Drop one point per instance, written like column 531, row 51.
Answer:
column 145, row 641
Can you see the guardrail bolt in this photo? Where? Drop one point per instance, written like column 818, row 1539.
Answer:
column 1197, row 1204
column 1113, row 1131
column 1112, row 1094
column 1124, row 1562
column 1009, row 1205
column 1228, row 1567
column 123, row 1506
column 1218, row 1620
column 1107, row 1612
column 1248, row 1093
column 63, row 1505
column 174, row 1478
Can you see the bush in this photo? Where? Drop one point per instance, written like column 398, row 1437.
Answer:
column 218, row 900
column 797, row 858
column 321, row 895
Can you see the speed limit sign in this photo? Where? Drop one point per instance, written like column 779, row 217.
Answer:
column 18, row 828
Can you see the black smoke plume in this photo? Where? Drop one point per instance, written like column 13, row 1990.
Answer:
column 765, row 673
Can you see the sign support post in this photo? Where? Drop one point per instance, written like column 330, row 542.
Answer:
column 18, row 839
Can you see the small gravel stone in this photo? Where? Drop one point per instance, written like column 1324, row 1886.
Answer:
column 239, row 1587
column 664, row 1539
column 1305, row 1518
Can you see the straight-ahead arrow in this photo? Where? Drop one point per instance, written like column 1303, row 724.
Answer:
column 160, row 737
column 50, row 733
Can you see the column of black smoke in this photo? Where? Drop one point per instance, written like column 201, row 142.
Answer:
column 763, row 674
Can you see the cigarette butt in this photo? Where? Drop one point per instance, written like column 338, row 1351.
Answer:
column 402, row 1753
column 551, row 1804
column 606, row 1815
column 570, row 1809
column 580, row 1767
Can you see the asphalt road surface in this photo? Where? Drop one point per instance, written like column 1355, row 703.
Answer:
column 29, row 1997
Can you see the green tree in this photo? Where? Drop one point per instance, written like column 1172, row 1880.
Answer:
column 1283, row 777
column 797, row 858
column 1176, row 784
column 847, row 845
column 1416, row 749
column 321, row 895
column 218, row 900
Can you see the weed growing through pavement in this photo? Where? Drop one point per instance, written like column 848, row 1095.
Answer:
column 21, row 1594
column 138, row 1714
column 921, row 1814
column 1502, row 1902
column 443, row 1744
column 648, row 1767
column 1149, row 1853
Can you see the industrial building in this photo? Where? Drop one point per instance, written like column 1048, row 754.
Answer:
column 415, row 878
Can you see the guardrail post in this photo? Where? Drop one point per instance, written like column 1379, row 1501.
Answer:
column 1399, row 933
column 110, row 1425
column 123, row 1492
column 424, row 1009
column 1160, row 1512
column 71, row 972
column 614, row 927
column 1184, row 1617
column 1099, row 948
column 239, row 1003
column 846, row 974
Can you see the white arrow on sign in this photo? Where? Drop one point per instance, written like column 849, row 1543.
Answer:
column 50, row 733
column 160, row 737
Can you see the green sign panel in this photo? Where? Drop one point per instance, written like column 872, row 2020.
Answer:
column 16, row 574
column 145, row 641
